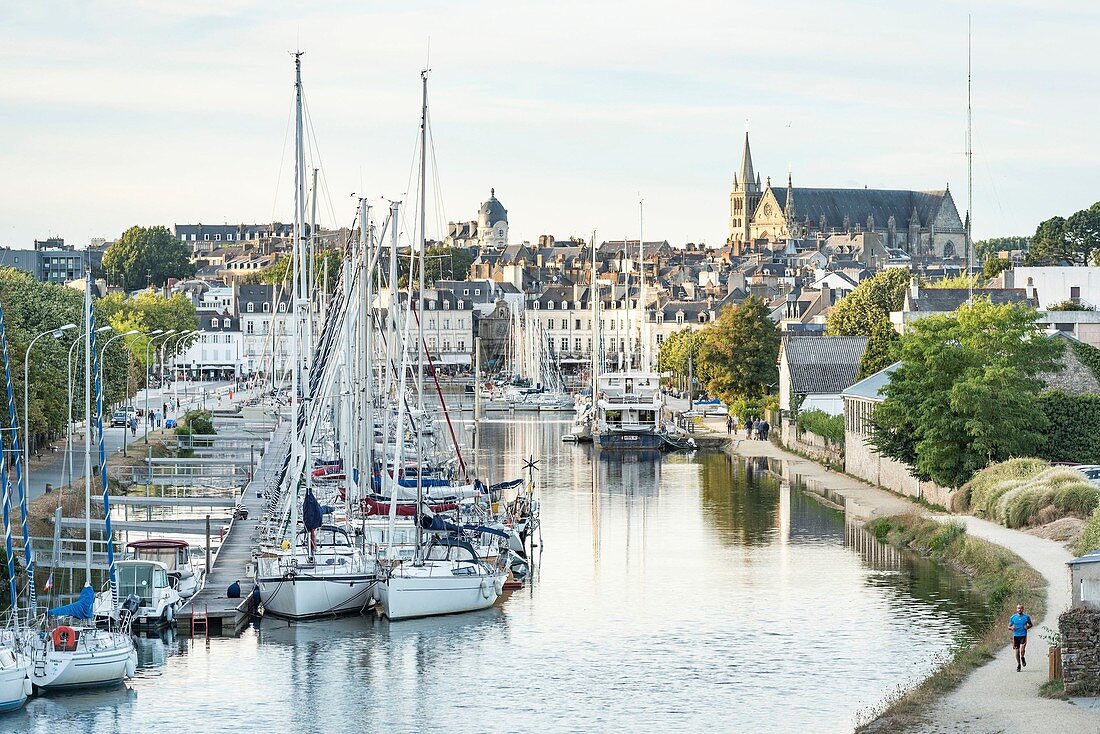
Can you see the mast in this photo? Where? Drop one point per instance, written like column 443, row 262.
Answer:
column 644, row 336
column 298, row 280
column 969, row 171
column 594, row 294
column 88, row 326
column 420, row 304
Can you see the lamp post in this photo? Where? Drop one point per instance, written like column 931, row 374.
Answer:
column 69, row 416
column 153, row 336
column 180, row 338
column 103, row 379
column 27, row 400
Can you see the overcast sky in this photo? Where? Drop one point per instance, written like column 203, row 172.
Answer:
column 158, row 112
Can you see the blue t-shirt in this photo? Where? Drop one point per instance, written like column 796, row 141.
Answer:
column 1019, row 624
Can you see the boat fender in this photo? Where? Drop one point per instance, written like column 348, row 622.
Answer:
column 28, row 687
column 64, row 638
column 498, row 584
column 486, row 587
column 131, row 665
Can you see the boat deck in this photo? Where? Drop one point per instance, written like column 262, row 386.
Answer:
column 225, row 615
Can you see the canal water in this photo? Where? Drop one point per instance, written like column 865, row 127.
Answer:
column 683, row 593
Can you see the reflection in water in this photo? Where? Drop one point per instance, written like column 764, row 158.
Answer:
column 679, row 593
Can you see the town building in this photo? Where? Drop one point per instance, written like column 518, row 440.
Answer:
column 217, row 352
column 924, row 224
column 51, row 260
column 815, row 370
column 488, row 232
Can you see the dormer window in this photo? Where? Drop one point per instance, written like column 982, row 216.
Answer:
column 446, row 305
column 213, row 323
column 679, row 317
column 267, row 307
column 228, row 323
column 250, row 307
column 282, row 307
column 565, row 305
column 460, row 303
column 550, row 305
column 535, row 305
column 431, row 305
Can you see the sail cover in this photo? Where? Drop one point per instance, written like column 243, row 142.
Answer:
column 312, row 515
column 81, row 608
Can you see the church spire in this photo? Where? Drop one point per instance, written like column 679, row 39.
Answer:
column 747, row 175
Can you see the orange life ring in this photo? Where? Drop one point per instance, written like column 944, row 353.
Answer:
column 64, row 638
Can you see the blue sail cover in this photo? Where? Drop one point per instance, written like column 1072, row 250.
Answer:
column 82, row 608
column 312, row 514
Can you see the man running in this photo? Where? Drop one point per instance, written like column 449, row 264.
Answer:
column 1019, row 623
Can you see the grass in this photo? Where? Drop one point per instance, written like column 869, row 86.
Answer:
column 1026, row 492
column 1001, row 577
column 1090, row 537
column 1053, row 689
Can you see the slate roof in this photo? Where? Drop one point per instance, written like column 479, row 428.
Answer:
column 822, row 364
column 871, row 387
column 946, row 300
column 858, row 204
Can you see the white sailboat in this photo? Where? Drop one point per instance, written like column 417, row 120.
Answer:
column 317, row 571
column 446, row 576
column 73, row 652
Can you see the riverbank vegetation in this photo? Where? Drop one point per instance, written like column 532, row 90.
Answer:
column 1001, row 577
column 1027, row 493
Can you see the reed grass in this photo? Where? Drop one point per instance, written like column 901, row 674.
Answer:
column 1025, row 492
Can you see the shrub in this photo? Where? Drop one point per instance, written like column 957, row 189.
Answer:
column 1074, row 431
column 823, row 424
column 993, row 481
column 1090, row 538
column 1023, row 492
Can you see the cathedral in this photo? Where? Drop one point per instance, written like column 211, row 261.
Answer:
column 925, row 224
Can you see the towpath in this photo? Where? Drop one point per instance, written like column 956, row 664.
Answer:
column 994, row 699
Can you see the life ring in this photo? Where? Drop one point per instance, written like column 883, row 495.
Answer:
column 64, row 638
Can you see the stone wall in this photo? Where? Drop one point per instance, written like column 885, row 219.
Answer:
column 810, row 444
column 863, row 461
column 1080, row 630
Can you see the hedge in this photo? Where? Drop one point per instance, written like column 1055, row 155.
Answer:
column 1074, row 431
column 823, row 424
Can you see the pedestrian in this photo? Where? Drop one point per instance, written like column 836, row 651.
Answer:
column 765, row 430
column 177, row 405
column 729, row 425
column 165, row 408
column 133, row 427
column 760, row 430
column 736, row 425
column 748, row 427
column 1020, row 623
column 150, row 417
column 159, row 419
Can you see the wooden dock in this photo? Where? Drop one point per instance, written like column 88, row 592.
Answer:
column 223, row 615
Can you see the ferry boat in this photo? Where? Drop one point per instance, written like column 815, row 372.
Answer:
column 628, row 412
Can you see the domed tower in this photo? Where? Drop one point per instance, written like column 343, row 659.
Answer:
column 492, row 224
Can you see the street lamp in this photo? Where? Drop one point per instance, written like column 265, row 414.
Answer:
column 153, row 336
column 103, row 379
column 26, row 400
column 69, row 377
column 175, row 382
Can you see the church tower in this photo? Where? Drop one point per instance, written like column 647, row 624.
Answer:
column 744, row 197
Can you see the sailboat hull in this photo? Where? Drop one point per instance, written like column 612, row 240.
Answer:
column 436, row 589
column 101, row 659
column 14, row 684
column 309, row 596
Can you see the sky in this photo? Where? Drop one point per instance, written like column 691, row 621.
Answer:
column 158, row 112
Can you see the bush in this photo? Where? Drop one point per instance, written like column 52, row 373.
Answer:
column 744, row 408
column 1023, row 492
column 1074, row 432
column 198, row 421
column 823, row 424
column 1090, row 538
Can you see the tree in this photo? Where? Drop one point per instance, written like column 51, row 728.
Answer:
column 148, row 311
column 740, row 351
column 1075, row 241
column 147, row 256
column 966, row 392
column 994, row 266
column 986, row 250
column 447, row 263
column 1070, row 306
column 326, row 271
column 960, row 281
column 675, row 353
column 870, row 302
column 883, row 349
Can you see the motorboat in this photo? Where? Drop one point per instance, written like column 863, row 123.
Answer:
column 448, row 579
column 150, row 583
column 186, row 577
column 322, row 575
column 628, row 411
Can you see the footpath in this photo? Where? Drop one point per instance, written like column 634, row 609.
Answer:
column 994, row 699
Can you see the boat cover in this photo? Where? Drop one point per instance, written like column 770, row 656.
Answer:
column 82, row 608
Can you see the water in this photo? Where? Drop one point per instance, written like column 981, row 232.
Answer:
column 682, row 594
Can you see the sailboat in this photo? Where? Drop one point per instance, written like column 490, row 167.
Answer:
column 317, row 571
column 445, row 576
column 73, row 652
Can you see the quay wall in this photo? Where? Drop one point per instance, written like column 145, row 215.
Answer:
column 863, row 461
column 810, row 444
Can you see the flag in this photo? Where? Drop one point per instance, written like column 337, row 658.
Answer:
column 49, row 582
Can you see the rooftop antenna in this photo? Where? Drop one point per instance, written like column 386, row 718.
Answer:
column 969, row 169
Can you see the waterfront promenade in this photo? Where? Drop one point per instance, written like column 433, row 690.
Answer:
column 994, row 699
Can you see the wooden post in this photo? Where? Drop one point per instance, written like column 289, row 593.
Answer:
column 1054, row 663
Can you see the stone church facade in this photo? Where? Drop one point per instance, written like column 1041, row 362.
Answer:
column 924, row 224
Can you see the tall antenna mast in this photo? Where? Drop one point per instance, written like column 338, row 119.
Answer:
column 969, row 169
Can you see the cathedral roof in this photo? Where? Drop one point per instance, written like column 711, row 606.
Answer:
column 859, row 204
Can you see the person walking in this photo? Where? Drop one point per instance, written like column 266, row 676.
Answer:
column 765, row 428
column 736, row 425
column 729, row 425
column 165, row 408
column 133, row 427
column 159, row 419
column 1020, row 623
column 748, row 427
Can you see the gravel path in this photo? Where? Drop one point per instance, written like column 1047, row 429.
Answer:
column 994, row 699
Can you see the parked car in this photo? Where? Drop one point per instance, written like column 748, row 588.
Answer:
column 119, row 418
column 1091, row 472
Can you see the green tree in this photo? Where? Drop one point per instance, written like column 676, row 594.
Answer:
column 148, row 311
column 988, row 249
column 994, row 266
column 739, row 352
column 966, row 392
column 326, row 271
column 1075, row 240
column 147, row 256
column 869, row 303
column 883, row 349
column 447, row 263
column 956, row 281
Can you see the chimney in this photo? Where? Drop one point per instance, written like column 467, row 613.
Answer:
column 914, row 287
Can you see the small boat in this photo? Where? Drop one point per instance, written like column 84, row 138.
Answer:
column 449, row 579
column 148, row 582
column 15, row 684
column 184, row 576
